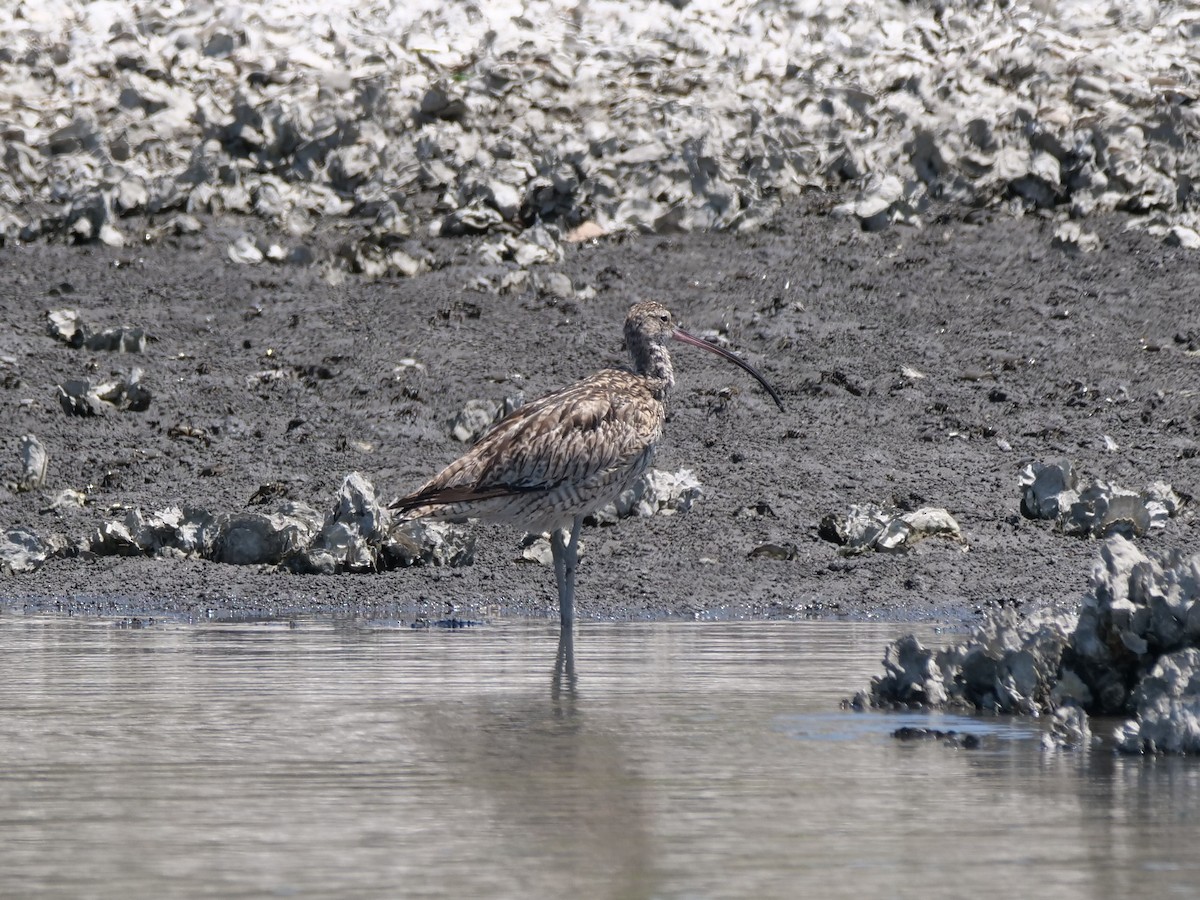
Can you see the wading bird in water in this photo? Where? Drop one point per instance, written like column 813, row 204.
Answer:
column 556, row 460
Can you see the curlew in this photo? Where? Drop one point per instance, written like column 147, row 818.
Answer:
column 553, row 461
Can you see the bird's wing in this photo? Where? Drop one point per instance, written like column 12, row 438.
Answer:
column 600, row 424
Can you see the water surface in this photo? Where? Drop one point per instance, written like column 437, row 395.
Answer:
column 683, row 760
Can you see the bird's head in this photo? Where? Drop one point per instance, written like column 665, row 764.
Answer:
column 650, row 326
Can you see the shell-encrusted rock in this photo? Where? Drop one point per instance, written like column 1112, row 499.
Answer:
column 306, row 112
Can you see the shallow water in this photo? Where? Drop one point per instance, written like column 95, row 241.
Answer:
column 684, row 760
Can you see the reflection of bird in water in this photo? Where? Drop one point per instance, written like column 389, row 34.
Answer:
column 564, row 670
column 552, row 462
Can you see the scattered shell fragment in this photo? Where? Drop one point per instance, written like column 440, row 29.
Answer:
column 1069, row 236
column 556, row 284
column 1183, row 236
column 67, row 326
column 868, row 527
column 77, row 398
column 117, row 340
column 34, row 461
column 21, row 551
column 473, row 420
column 245, row 250
column 1048, row 490
column 535, row 548
column 772, row 550
column 66, row 499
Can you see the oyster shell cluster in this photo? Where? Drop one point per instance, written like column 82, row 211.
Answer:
column 536, row 122
column 1132, row 649
column 1097, row 508
column 357, row 535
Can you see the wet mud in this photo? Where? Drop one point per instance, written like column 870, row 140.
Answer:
column 919, row 367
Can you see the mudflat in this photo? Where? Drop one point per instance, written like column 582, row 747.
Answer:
column 919, row 367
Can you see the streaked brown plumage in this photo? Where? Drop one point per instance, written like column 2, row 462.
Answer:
column 555, row 460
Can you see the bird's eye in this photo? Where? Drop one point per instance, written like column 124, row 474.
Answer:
column 664, row 317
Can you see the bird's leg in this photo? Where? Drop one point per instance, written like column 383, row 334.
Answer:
column 565, row 550
column 572, row 565
column 558, row 551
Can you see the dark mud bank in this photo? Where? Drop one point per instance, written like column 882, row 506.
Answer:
column 919, row 368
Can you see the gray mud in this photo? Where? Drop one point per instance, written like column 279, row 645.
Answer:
column 1027, row 354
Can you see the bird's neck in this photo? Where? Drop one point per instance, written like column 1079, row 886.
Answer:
column 653, row 363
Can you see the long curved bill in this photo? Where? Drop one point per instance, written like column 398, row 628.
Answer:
column 683, row 337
